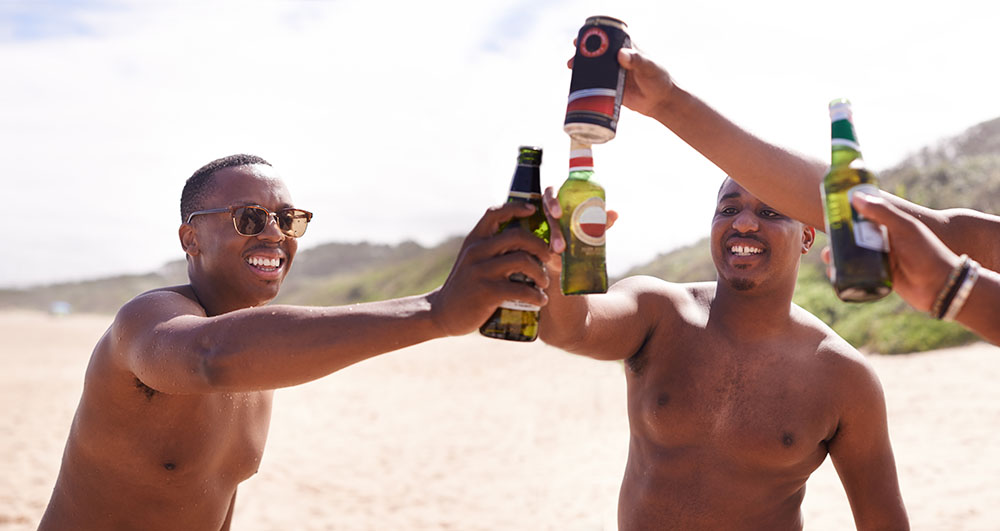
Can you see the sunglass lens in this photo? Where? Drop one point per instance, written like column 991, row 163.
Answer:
column 250, row 221
column 293, row 222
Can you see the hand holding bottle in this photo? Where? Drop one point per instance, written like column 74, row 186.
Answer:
column 919, row 261
column 557, row 243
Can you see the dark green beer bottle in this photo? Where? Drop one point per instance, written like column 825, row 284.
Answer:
column 583, row 222
column 514, row 320
column 859, row 247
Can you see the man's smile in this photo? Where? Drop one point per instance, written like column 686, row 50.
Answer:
column 745, row 250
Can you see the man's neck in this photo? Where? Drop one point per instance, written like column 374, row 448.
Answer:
column 750, row 315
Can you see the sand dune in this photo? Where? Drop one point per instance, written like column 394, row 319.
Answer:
column 477, row 434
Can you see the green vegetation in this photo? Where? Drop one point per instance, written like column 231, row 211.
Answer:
column 963, row 171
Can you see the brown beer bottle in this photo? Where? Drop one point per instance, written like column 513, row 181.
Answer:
column 583, row 222
column 515, row 320
column 859, row 248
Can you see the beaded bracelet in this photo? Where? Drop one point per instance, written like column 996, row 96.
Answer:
column 963, row 293
column 948, row 291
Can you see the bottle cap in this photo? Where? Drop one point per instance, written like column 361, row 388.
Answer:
column 840, row 109
column 529, row 156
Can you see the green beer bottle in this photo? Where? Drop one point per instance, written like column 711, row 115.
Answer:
column 583, row 222
column 514, row 320
column 859, row 247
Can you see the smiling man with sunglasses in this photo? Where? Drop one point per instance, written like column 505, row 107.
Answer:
column 177, row 397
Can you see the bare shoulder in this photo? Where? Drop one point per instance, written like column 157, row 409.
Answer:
column 161, row 301
column 146, row 311
column 845, row 367
column 655, row 290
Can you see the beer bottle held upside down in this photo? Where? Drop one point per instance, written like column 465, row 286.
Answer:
column 859, row 247
column 583, row 223
column 515, row 320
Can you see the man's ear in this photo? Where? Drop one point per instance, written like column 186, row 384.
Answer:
column 808, row 238
column 189, row 239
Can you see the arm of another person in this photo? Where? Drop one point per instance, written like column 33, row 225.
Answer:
column 921, row 264
column 860, row 449
column 786, row 180
column 608, row 326
column 166, row 340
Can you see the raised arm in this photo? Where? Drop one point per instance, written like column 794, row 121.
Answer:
column 781, row 178
column 861, row 451
column 166, row 340
column 786, row 180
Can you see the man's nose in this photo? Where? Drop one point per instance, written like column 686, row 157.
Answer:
column 271, row 232
column 745, row 222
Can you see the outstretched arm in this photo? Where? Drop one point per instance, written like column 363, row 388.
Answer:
column 608, row 326
column 166, row 340
column 786, row 180
column 921, row 264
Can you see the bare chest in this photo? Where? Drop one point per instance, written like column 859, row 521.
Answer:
column 216, row 439
column 223, row 434
column 753, row 408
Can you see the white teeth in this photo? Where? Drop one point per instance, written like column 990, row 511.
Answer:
column 744, row 250
column 258, row 261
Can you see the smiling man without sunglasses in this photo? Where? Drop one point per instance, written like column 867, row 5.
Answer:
column 177, row 397
column 735, row 395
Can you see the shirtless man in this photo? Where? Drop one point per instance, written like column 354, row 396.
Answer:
column 735, row 395
column 921, row 260
column 177, row 397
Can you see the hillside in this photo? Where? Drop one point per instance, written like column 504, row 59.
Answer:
column 330, row 274
column 959, row 171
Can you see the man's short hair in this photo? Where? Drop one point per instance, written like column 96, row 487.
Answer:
column 199, row 184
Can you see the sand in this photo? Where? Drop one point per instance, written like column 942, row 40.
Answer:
column 475, row 434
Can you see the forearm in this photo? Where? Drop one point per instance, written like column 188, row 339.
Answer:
column 785, row 180
column 563, row 321
column 280, row 346
column 964, row 231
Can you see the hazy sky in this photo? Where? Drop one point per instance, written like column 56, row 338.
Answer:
column 401, row 120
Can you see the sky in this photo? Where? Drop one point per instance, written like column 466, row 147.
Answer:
column 396, row 120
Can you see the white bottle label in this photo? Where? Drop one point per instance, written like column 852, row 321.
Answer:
column 588, row 221
column 867, row 234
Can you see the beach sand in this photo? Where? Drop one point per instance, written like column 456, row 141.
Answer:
column 476, row 434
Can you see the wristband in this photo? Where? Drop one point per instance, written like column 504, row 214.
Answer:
column 950, row 286
column 963, row 293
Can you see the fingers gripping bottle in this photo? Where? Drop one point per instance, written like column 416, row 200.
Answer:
column 583, row 223
column 515, row 320
column 859, row 247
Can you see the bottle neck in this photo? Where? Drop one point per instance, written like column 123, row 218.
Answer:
column 581, row 162
column 844, row 145
column 526, row 183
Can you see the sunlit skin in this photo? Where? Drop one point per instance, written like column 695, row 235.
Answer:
column 177, row 396
column 791, row 182
column 735, row 395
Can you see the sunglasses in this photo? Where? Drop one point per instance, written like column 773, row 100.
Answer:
column 252, row 220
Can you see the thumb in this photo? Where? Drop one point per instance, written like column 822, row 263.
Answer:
column 629, row 58
column 877, row 209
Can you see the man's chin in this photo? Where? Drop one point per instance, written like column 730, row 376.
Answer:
column 742, row 284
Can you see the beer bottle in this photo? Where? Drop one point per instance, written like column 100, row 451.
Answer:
column 514, row 320
column 583, row 222
column 859, row 247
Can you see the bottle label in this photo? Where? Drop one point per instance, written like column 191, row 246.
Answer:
column 867, row 234
column 527, row 196
column 518, row 305
column 588, row 222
